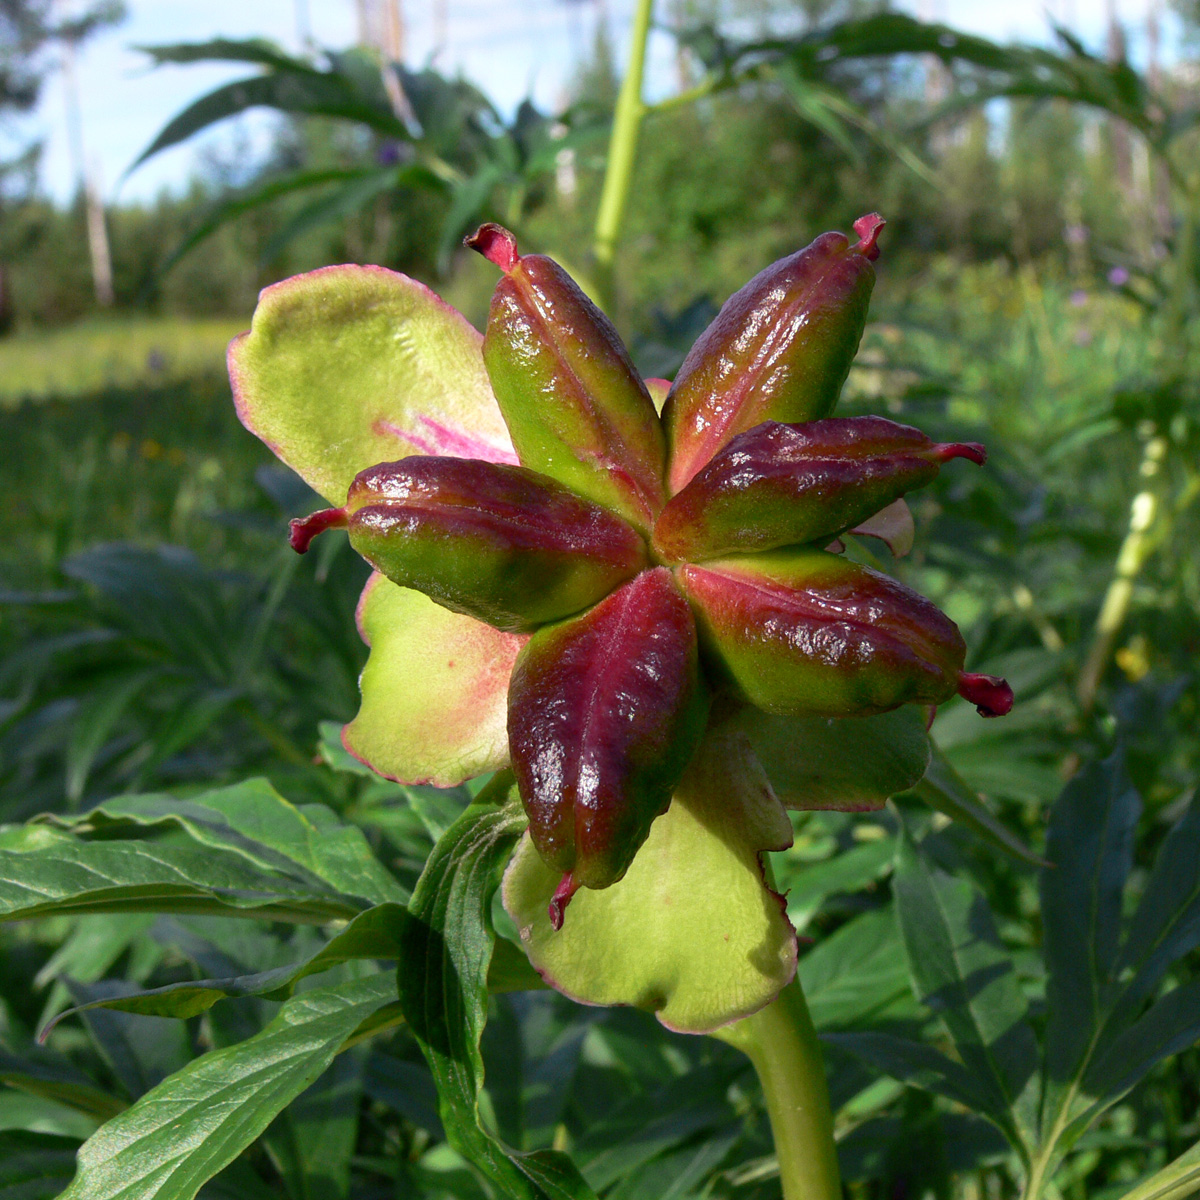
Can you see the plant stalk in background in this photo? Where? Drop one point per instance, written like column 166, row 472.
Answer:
column 622, row 155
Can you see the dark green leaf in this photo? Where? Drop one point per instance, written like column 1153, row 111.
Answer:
column 443, row 989
column 98, row 715
column 257, row 197
column 852, row 763
column 858, row 975
column 945, row 791
column 336, row 205
column 142, row 1051
column 250, row 50
column 1166, row 925
column 648, row 1125
column 807, row 885
column 35, row 1166
column 961, row 970
column 678, row 1174
column 1171, row 1025
column 407, row 1088
column 225, row 1099
column 374, row 934
column 917, row 1065
column 42, row 1073
column 1090, row 843
column 313, row 1139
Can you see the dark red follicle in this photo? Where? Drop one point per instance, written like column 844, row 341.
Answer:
column 990, row 694
column 496, row 244
column 868, row 228
column 567, row 887
column 975, row 451
column 304, row 529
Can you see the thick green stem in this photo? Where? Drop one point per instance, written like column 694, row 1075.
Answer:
column 1135, row 550
column 782, row 1044
column 622, row 150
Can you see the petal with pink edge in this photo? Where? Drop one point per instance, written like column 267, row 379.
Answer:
column 434, row 690
column 692, row 932
column 893, row 526
column 350, row 366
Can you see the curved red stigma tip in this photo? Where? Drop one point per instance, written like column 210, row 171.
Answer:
column 567, row 887
column 304, row 529
column 990, row 694
column 868, row 228
column 496, row 244
column 975, row 451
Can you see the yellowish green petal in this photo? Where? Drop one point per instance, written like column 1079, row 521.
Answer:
column 434, row 690
column 692, row 932
column 351, row 366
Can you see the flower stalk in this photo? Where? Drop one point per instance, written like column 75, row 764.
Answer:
column 781, row 1042
column 1135, row 551
column 622, row 151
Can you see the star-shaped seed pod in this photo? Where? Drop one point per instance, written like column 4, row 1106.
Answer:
column 630, row 591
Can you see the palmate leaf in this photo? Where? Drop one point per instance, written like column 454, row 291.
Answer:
column 1166, row 925
column 962, row 971
column 443, row 990
column 307, row 92
column 225, row 1099
column 106, row 703
column 1171, row 1025
column 996, row 71
column 340, row 202
column 1090, row 843
column 646, row 1126
column 916, row 1064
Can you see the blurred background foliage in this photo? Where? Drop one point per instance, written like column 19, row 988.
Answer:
column 1038, row 292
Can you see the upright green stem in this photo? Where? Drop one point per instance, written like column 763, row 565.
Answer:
column 782, row 1044
column 622, row 150
column 1135, row 550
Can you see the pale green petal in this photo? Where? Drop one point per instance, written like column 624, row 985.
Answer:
column 434, row 690
column 351, row 366
column 692, row 932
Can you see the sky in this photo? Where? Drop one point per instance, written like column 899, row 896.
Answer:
column 511, row 48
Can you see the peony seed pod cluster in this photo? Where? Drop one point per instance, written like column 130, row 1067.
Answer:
column 652, row 564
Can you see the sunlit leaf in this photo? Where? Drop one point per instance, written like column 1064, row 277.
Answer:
column 224, row 1099
column 45, row 871
column 252, row 820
